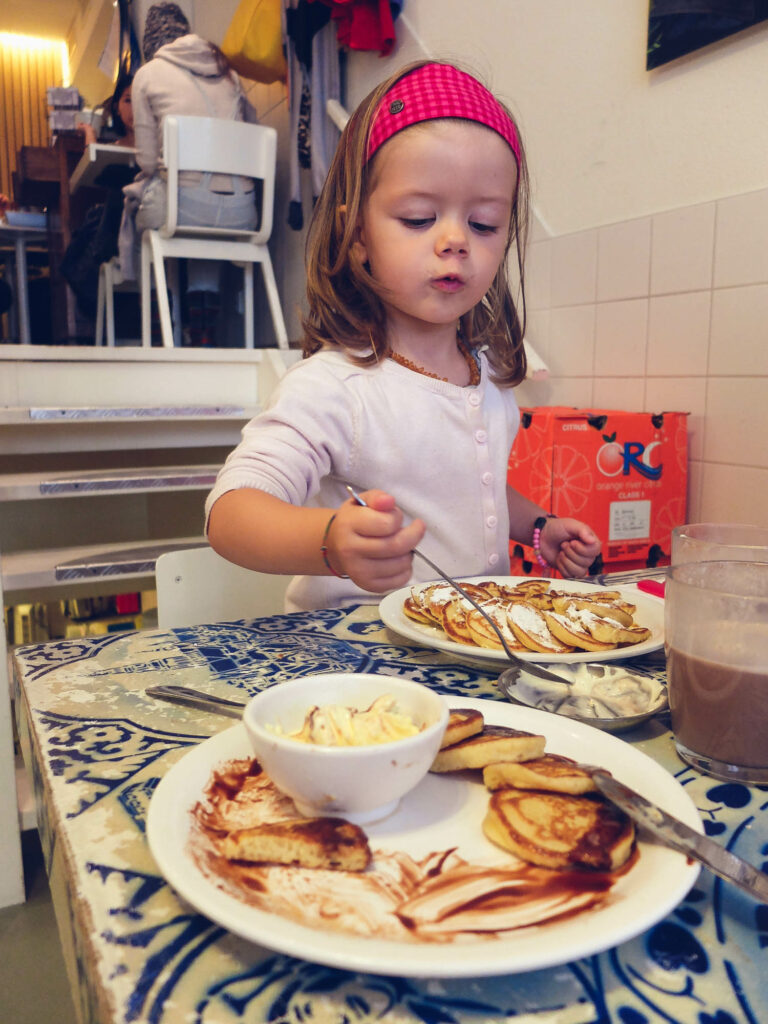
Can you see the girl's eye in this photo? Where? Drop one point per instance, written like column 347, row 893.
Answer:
column 484, row 229
column 417, row 222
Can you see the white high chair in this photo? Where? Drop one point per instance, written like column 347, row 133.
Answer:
column 218, row 146
column 196, row 585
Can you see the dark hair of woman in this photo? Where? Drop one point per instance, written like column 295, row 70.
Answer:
column 123, row 83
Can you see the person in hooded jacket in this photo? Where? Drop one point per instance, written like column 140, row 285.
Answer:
column 187, row 75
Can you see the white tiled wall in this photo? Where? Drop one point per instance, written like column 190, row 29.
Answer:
column 666, row 312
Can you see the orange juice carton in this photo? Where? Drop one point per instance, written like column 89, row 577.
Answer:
column 623, row 473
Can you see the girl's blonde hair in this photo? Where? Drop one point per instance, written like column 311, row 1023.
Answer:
column 345, row 301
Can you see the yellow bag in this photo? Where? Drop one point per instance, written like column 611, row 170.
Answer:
column 253, row 43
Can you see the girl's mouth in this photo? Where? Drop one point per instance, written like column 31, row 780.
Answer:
column 448, row 283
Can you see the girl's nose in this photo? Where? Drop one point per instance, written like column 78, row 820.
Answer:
column 452, row 238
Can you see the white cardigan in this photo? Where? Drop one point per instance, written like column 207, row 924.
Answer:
column 439, row 449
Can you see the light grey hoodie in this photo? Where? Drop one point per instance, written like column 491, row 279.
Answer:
column 183, row 78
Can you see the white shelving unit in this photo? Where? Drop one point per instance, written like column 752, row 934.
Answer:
column 105, row 459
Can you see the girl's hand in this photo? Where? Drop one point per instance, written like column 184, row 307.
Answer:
column 570, row 546
column 371, row 545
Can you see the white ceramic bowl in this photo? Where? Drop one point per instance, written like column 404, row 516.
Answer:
column 361, row 783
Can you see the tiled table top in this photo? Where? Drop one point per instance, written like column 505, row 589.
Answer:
column 98, row 746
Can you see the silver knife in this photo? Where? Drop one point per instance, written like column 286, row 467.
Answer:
column 188, row 697
column 616, row 579
column 676, row 834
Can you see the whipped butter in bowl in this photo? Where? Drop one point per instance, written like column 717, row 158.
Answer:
column 346, row 744
column 337, row 725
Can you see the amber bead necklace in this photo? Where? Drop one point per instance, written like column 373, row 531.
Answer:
column 474, row 369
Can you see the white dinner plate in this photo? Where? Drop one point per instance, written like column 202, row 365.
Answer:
column 443, row 812
column 650, row 613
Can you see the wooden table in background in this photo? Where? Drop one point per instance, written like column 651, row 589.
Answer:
column 42, row 178
column 19, row 238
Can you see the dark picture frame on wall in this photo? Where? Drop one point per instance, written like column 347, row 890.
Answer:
column 678, row 27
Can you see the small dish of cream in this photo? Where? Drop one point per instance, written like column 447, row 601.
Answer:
column 606, row 695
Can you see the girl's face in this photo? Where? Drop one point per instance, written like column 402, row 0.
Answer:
column 125, row 108
column 435, row 223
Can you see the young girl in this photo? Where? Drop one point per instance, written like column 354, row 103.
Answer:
column 414, row 345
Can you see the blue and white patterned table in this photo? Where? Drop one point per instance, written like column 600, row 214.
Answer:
column 97, row 747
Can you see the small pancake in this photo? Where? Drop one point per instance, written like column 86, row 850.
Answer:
column 483, row 634
column 551, row 772
column 620, row 611
column 530, row 627
column 303, row 842
column 415, row 611
column 535, row 599
column 494, row 743
column 432, row 598
column 619, row 634
column 454, row 621
column 462, row 723
column 575, row 630
column 495, row 589
column 558, row 831
column 537, row 585
column 598, row 596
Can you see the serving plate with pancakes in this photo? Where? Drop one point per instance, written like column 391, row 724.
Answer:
column 441, row 819
column 648, row 613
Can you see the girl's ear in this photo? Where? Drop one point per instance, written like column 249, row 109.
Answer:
column 359, row 250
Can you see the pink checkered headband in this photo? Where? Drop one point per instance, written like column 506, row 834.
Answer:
column 434, row 91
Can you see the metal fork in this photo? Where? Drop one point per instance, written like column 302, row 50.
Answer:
column 518, row 664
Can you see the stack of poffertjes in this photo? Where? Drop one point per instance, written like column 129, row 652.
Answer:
column 543, row 807
column 531, row 615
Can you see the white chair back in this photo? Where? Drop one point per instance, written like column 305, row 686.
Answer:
column 196, row 585
column 218, row 146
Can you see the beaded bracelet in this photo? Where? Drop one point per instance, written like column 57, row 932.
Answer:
column 324, row 551
column 538, row 526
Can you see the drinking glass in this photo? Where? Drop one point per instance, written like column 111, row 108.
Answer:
column 716, row 639
column 709, row 542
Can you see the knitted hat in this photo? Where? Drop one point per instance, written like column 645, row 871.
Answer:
column 436, row 91
column 165, row 22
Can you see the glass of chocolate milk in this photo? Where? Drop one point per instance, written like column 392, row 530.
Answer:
column 716, row 639
column 709, row 542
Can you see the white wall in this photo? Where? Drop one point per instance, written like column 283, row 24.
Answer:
column 606, row 140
